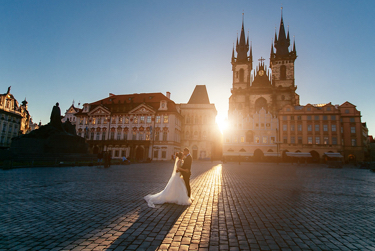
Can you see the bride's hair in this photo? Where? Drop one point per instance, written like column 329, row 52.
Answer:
column 179, row 155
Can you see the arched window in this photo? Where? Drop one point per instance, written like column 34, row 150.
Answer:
column 261, row 103
column 282, row 72
column 242, row 73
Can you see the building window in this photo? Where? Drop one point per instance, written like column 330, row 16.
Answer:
column 333, row 128
column 147, row 136
column 299, row 140
column 299, row 128
column 103, row 135
column 125, row 136
column 285, row 118
column 120, row 120
column 317, row 128
column 164, row 136
column 242, row 73
column 268, row 124
column 158, row 120
column 256, row 139
column 99, row 121
column 118, row 135
column 156, row 154
column 346, row 111
column 112, row 135
column 309, row 128
column 352, row 129
column 334, row 141
column 299, row 118
column 134, row 136
column 165, row 120
column 135, row 120
column 352, row 120
column 316, row 117
column 148, row 120
column 354, row 142
column 308, row 117
column 308, row 109
column 328, row 108
column 282, row 72
column 242, row 139
column 140, row 136
column 163, row 154
column 126, row 120
column 117, row 153
column 292, row 128
column 142, row 119
column 285, row 128
column 342, row 129
column 291, row 117
column 317, row 140
column 325, row 128
column 292, row 140
column 333, row 117
column 264, row 140
column 98, row 136
column 309, row 140
column 325, row 140
column 272, row 140
column 285, row 140
column 113, row 120
column 325, row 117
column 92, row 135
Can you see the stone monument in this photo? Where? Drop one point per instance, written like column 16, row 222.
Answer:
column 55, row 138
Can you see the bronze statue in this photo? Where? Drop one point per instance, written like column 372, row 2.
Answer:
column 55, row 119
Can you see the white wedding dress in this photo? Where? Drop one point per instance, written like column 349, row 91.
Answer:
column 174, row 192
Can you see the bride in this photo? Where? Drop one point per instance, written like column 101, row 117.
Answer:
column 174, row 192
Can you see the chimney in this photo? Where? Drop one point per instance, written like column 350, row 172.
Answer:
column 169, row 95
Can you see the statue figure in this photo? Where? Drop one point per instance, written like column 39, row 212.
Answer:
column 55, row 119
column 9, row 89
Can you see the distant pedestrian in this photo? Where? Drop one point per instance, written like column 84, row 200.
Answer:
column 109, row 158
column 100, row 158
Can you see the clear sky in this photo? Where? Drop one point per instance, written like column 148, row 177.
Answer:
column 60, row 51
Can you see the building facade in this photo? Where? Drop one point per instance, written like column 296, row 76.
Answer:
column 265, row 116
column 14, row 118
column 138, row 126
column 200, row 132
column 70, row 114
column 257, row 96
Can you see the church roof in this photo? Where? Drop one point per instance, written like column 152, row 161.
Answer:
column 199, row 96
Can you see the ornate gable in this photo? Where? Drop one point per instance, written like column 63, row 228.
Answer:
column 142, row 109
column 100, row 110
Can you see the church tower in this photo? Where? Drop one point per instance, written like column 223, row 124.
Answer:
column 241, row 67
column 282, row 66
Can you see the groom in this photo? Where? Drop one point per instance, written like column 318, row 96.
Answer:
column 185, row 169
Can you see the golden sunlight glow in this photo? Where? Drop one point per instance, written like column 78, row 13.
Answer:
column 222, row 122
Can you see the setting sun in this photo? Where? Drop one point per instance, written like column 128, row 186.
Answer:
column 222, row 122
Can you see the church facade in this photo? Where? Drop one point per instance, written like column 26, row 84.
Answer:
column 257, row 96
column 266, row 118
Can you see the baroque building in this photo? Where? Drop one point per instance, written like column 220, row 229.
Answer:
column 14, row 118
column 200, row 132
column 139, row 126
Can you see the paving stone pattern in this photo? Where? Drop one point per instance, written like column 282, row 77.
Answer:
column 251, row 206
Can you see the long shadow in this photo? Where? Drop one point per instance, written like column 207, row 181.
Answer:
column 153, row 225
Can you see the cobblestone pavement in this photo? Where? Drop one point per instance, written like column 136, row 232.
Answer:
column 236, row 207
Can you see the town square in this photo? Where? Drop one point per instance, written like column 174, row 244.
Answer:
column 196, row 125
column 247, row 206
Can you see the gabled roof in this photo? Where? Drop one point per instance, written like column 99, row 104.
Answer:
column 199, row 96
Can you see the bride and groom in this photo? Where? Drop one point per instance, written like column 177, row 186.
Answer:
column 177, row 189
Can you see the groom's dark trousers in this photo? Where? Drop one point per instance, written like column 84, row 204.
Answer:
column 186, row 175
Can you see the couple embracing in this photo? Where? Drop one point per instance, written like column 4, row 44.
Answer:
column 178, row 188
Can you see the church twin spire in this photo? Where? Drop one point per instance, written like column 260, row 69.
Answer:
column 242, row 47
column 282, row 44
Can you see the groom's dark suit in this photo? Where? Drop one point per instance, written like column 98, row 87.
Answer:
column 186, row 174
